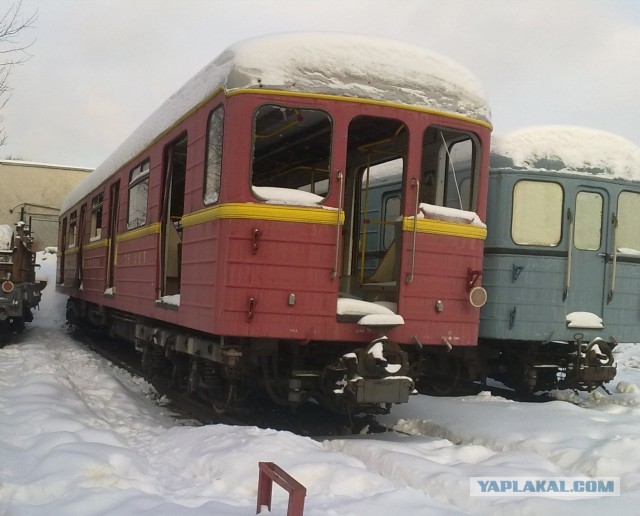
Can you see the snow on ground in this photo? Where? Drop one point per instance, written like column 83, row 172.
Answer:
column 80, row 437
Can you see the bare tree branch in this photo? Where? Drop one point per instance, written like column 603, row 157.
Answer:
column 12, row 52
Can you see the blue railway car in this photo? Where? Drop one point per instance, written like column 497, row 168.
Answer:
column 562, row 257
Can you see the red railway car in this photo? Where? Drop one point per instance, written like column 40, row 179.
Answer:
column 226, row 235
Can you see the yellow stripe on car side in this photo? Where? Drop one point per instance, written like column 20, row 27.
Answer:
column 441, row 227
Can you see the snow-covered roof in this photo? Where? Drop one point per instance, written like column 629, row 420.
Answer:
column 320, row 63
column 568, row 149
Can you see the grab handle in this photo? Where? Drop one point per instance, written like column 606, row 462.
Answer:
column 409, row 278
column 334, row 272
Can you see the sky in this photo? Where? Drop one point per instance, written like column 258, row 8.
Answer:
column 99, row 68
column 80, row 436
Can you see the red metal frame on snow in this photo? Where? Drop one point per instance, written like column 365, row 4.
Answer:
column 269, row 473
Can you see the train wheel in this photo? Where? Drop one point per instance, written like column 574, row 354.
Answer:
column 153, row 358
column 220, row 407
column 204, row 380
column 18, row 325
column 444, row 374
column 193, row 378
column 146, row 359
column 179, row 372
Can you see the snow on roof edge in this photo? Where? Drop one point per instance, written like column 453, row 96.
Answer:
column 315, row 62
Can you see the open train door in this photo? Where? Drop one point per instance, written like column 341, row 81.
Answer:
column 79, row 274
column 114, row 202
column 377, row 151
column 172, row 211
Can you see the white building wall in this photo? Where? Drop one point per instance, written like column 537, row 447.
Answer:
column 33, row 192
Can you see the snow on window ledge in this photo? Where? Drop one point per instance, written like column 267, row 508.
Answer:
column 349, row 306
column 272, row 194
column 445, row 214
column 381, row 320
column 173, row 300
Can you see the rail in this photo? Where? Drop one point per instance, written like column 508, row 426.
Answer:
column 269, row 473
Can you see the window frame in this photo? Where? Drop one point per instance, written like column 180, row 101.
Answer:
column 97, row 212
column 388, row 230
column 72, row 230
column 323, row 192
column 135, row 182
column 439, row 166
column 212, row 196
column 559, row 219
column 580, row 219
column 622, row 233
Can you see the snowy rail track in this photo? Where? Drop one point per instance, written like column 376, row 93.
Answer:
column 81, row 436
column 74, row 425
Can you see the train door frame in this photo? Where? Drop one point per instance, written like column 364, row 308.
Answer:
column 114, row 209
column 63, row 250
column 361, row 157
column 80, row 243
column 173, row 199
column 586, row 272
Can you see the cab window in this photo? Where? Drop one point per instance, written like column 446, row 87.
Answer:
column 291, row 155
column 536, row 218
column 214, row 155
column 450, row 166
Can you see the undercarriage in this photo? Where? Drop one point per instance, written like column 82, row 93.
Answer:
column 543, row 366
column 347, row 378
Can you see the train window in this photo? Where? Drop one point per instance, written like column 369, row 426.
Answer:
column 628, row 232
column 588, row 222
column 138, row 193
column 459, row 175
column 96, row 217
column 537, row 213
column 72, row 234
column 214, row 155
column 391, row 214
column 450, row 165
column 291, row 155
